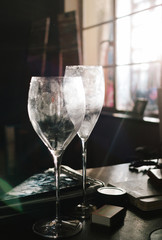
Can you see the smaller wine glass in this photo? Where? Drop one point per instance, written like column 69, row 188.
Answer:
column 56, row 115
column 94, row 86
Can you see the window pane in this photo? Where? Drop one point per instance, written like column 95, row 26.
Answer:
column 106, row 47
column 109, row 87
column 137, row 81
column 142, row 38
column 123, row 85
column 123, row 8
column 106, row 54
column 138, row 5
column 131, row 6
column 146, row 38
column 123, row 41
column 97, row 45
column 96, row 12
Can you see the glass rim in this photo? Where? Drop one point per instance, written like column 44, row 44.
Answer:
column 83, row 66
column 53, row 77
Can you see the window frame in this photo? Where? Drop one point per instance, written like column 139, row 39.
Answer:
column 115, row 65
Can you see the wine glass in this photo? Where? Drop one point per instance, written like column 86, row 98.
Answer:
column 56, row 116
column 94, row 86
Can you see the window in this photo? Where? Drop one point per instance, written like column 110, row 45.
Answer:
column 127, row 41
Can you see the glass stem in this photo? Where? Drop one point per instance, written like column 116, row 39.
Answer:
column 57, row 179
column 84, row 161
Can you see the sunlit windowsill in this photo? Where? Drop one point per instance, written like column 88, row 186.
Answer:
column 131, row 116
column 151, row 119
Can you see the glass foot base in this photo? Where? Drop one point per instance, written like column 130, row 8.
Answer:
column 49, row 229
column 84, row 211
column 156, row 234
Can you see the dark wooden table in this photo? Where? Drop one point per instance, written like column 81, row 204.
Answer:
column 137, row 225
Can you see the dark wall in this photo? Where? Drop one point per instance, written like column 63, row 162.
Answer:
column 16, row 18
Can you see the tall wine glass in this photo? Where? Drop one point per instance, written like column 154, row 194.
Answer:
column 94, row 86
column 56, row 115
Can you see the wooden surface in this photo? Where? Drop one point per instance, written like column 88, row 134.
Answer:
column 137, row 225
column 115, row 174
